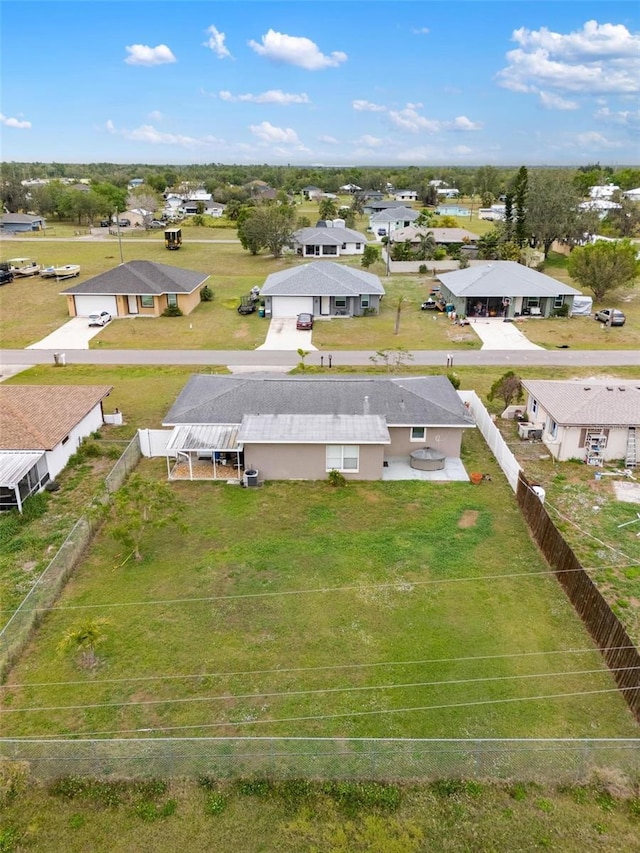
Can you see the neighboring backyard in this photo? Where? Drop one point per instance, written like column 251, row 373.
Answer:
column 395, row 609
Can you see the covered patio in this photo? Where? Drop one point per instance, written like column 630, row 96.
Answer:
column 205, row 452
column 22, row 473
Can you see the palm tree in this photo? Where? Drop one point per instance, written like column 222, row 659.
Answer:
column 84, row 638
column 426, row 246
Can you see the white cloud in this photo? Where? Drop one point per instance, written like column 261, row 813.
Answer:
column 599, row 58
column 551, row 101
column 142, row 54
column 155, row 115
column 367, row 107
column 268, row 133
column 420, row 31
column 18, row 124
column 626, row 118
column 369, row 141
column 328, row 140
column 462, row 150
column 149, row 134
column 273, row 96
column 296, row 50
column 464, row 124
column 215, row 42
column 592, row 139
column 410, row 120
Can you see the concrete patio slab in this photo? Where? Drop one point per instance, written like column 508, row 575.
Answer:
column 398, row 468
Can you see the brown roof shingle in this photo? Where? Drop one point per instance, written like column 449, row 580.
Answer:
column 38, row 417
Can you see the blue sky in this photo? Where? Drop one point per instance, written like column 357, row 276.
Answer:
column 377, row 82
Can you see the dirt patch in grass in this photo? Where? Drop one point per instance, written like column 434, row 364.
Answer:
column 468, row 518
column 371, row 497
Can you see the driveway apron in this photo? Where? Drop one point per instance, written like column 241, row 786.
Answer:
column 496, row 334
column 283, row 335
column 75, row 334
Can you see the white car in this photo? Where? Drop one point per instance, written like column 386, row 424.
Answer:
column 100, row 319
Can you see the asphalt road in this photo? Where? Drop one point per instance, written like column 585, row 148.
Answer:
column 262, row 358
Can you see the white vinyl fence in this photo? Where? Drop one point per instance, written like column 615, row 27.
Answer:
column 498, row 446
column 153, row 442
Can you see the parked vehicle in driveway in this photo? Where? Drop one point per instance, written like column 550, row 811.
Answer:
column 6, row 274
column 105, row 223
column 124, row 223
column 611, row 316
column 156, row 223
column 304, row 322
column 100, row 319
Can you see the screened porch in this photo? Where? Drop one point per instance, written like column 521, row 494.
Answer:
column 205, row 452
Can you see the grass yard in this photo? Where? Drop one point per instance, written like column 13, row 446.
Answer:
column 271, row 609
column 448, row 816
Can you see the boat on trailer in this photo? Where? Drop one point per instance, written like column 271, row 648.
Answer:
column 60, row 273
column 24, row 267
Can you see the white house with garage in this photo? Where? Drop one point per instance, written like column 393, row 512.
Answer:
column 322, row 288
column 329, row 241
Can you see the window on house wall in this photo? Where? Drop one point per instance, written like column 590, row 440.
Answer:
column 358, row 245
column 364, row 301
column 172, row 300
column 341, row 301
column 147, row 301
column 532, row 302
column 309, row 250
column 65, row 439
column 558, row 302
column 329, row 250
column 552, row 428
column 343, row 457
column 534, row 405
column 418, row 433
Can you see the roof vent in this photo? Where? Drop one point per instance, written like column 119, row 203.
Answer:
column 621, row 388
column 587, row 388
column 366, row 409
column 610, row 388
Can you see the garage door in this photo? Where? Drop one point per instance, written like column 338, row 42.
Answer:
column 291, row 306
column 94, row 304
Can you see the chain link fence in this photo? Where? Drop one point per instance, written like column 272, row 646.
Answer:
column 556, row 761
column 46, row 589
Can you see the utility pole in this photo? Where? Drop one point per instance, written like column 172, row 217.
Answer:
column 119, row 235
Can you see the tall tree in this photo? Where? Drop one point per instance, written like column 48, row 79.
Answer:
column 603, row 266
column 552, row 207
column 520, row 193
column 327, row 209
column 267, row 226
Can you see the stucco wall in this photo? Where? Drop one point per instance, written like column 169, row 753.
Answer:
column 59, row 456
column 446, row 439
column 307, row 461
column 188, row 301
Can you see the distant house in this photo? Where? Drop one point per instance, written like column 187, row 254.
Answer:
column 504, row 289
column 605, row 191
column 375, row 205
column 442, row 236
column 20, row 222
column 349, row 188
column 594, row 421
column 447, row 192
column 310, row 191
column 322, row 288
column 137, row 287
column 41, row 426
column 632, row 195
column 296, row 428
column 405, row 195
column 386, row 221
column 328, row 242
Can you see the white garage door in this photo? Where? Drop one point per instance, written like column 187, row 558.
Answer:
column 291, row 306
column 94, row 304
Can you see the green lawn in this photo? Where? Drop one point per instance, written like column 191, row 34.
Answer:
column 287, row 577
column 446, row 816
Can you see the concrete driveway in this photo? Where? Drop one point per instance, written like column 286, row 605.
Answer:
column 75, row 334
column 496, row 334
column 283, row 335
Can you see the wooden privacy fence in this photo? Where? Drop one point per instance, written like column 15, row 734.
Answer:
column 616, row 646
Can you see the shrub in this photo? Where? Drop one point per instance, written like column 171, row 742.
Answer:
column 440, row 254
column 206, row 294
column 422, row 269
column 172, row 311
column 149, row 811
column 562, row 311
column 336, row 479
column 254, row 787
column 353, row 796
column 454, row 379
column 216, row 803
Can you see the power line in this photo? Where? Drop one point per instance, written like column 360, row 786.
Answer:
column 315, row 717
column 316, row 691
column 288, row 670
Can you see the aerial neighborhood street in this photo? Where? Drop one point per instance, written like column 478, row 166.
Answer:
column 319, row 483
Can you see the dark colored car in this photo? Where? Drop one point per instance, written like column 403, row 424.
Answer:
column 105, row 223
column 611, row 316
column 6, row 276
column 304, row 322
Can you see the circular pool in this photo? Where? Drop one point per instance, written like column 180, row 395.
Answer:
column 427, row 459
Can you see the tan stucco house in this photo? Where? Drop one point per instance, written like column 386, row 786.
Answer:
column 299, row 428
column 136, row 288
column 594, row 421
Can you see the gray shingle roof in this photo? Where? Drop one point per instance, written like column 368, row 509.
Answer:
column 322, row 278
column 421, row 400
column 587, row 403
column 19, row 219
column 503, row 278
column 142, row 278
column 396, row 214
column 328, row 236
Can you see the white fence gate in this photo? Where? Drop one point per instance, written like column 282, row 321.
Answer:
column 498, row 446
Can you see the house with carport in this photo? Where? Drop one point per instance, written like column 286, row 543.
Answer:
column 504, row 289
column 595, row 421
column 41, row 427
column 299, row 428
column 322, row 288
column 136, row 288
column 392, row 219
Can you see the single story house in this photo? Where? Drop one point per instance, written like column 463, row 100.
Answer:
column 299, row 428
column 405, row 195
column 632, row 195
column 41, row 426
column 442, row 236
column 580, row 419
column 311, row 192
column 349, row 188
column 375, row 205
column 604, row 191
column 136, row 287
column 448, row 192
column 329, row 241
column 504, row 289
column 386, row 221
column 20, row 222
column 321, row 288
